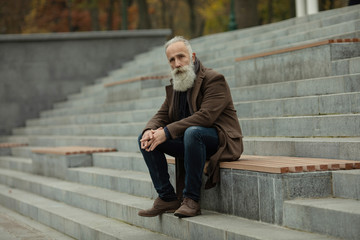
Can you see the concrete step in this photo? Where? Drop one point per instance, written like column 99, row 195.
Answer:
column 138, row 104
column 134, row 90
column 328, row 31
column 88, row 91
column 15, row 226
column 95, row 118
column 339, row 125
column 316, row 27
column 343, row 103
column 298, row 88
column 308, row 87
column 127, row 144
column 127, row 161
column 243, row 50
column 308, row 63
column 344, row 125
column 269, row 31
column 22, row 152
column 16, row 163
column 124, row 207
column 131, row 182
column 120, row 143
column 69, row 220
column 346, row 66
column 250, row 46
column 332, row 216
column 104, row 129
column 346, row 184
column 334, row 148
column 100, row 98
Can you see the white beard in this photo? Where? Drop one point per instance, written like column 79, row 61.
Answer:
column 183, row 77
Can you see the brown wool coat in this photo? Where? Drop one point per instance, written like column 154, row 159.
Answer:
column 211, row 105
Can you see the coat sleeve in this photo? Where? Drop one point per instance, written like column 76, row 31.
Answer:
column 215, row 98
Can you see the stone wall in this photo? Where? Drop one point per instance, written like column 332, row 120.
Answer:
column 37, row 70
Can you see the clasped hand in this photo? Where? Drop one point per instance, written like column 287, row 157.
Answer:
column 152, row 138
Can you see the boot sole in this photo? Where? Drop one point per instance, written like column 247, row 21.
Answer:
column 180, row 215
column 154, row 215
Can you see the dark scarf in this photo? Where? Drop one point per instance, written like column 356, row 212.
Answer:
column 182, row 109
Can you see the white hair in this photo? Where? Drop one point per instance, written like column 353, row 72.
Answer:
column 179, row 39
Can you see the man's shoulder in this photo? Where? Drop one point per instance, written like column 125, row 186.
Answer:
column 212, row 74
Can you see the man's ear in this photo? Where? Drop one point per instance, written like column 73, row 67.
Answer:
column 193, row 57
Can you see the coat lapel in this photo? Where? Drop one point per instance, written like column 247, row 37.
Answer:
column 197, row 85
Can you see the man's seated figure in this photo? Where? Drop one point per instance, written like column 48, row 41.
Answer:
column 196, row 123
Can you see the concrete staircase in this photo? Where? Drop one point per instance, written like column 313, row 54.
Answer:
column 302, row 103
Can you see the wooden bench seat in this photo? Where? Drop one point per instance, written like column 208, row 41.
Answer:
column 70, row 150
column 283, row 164
column 10, row 145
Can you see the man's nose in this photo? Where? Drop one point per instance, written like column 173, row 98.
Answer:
column 177, row 63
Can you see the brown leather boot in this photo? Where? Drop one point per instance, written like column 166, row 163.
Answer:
column 189, row 208
column 160, row 207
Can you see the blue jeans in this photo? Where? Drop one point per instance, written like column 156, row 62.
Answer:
column 197, row 145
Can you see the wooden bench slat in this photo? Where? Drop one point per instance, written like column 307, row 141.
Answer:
column 11, row 144
column 70, row 150
column 283, row 164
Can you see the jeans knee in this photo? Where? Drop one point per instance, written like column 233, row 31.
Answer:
column 139, row 138
column 192, row 132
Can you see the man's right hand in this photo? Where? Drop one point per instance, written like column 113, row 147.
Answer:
column 152, row 138
column 146, row 139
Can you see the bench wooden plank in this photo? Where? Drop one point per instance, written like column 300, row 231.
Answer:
column 70, row 150
column 11, row 144
column 284, row 164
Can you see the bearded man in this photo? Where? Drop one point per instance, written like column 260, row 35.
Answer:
column 196, row 123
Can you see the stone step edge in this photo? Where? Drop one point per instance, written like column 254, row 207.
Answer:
column 235, row 104
column 23, row 226
column 16, row 159
column 209, row 220
column 341, row 216
column 235, row 89
column 296, row 48
column 284, row 50
column 72, row 221
column 49, row 129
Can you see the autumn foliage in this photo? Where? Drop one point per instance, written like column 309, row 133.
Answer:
column 191, row 18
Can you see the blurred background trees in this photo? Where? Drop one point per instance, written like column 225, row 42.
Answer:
column 189, row 18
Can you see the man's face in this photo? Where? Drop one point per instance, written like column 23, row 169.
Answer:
column 178, row 55
column 183, row 74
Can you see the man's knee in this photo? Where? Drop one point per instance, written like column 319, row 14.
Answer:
column 193, row 131
column 140, row 137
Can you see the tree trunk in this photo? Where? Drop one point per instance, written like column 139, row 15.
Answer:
column 110, row 12
column 270, row 11
column 144, row 18
column 163, row 13
column 246, row 13
column 69, row 5
column 94, row 13
column 191, row 4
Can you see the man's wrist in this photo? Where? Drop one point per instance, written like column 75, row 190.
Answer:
column 167, row 133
